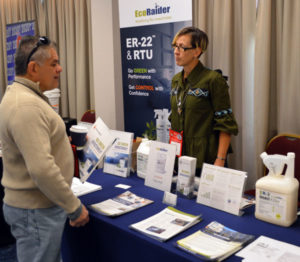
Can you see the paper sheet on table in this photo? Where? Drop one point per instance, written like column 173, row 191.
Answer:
column 80, row 189
column 265, row 249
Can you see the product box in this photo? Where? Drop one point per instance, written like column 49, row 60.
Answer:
column 142, row 157
column 186, row 175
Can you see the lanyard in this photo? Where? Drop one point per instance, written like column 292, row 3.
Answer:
column 180, row 100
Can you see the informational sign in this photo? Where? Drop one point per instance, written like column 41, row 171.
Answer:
column 221, row 188
column 148, row 65
column 14, row 33
column 160, row 165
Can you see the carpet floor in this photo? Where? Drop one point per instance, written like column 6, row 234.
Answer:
column 8, row 254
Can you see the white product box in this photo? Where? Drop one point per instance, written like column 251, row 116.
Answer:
column 142, row 158
column 186, row 175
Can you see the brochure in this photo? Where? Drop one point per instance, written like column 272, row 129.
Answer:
column 215, row 242
column 80, row 189
column 117, row 159
column 166, row 224
column 160, row 165
column 265, row 249
column 221, row 188
column 121, row 204
column 99, row 140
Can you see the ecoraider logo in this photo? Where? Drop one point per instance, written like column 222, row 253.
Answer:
column 157, row 10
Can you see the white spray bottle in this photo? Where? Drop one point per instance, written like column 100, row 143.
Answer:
column 160, row 125
column 277, row 194
column 167, row 124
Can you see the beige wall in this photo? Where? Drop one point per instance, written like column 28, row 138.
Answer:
column 107, row 62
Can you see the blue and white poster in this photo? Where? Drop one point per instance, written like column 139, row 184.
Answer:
column 147, row 30
column 14, row 33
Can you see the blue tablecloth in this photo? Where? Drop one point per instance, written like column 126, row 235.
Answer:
column 6, row 237
column 111, row 239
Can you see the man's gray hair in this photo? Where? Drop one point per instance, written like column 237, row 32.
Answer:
column 26, row 45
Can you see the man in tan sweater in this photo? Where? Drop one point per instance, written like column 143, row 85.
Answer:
column 37, row 156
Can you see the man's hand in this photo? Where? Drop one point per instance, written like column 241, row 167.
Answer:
column 82, row 219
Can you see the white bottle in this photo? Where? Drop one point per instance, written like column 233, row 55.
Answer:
column 167, row 125
column 277, row 194
column 160, row 125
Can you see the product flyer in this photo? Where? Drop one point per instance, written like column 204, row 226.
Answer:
column 117, row 160
column 160, row 166
column 100, row 139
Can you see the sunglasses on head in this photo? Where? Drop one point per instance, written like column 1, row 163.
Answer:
column 43, row 40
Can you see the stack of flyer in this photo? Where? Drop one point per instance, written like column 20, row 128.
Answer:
column 215, row 242
column 121, row 204
column 117, row 160
column 100, row 139
column 166, row 224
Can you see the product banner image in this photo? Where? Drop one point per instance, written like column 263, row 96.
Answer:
column 148, row 66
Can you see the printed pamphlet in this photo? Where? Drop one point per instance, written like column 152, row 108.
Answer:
column 215, row 242
column 99, row 141
column 121, row 204
column 80, row 189
column 166, row 224
column 265, row 249
column 160, row 166
column 117, row 159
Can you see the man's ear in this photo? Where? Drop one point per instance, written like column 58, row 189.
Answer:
column 33, row 71
column 32, row 68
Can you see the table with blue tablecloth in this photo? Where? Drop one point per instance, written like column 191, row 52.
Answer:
column 6, row 238
column 110, row 238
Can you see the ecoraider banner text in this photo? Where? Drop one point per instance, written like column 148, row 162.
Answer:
column 14, row 33
column 147, row 30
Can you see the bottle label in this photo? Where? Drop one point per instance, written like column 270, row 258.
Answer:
column 271, row 205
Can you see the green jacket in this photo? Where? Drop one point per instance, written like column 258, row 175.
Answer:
column 205, row 111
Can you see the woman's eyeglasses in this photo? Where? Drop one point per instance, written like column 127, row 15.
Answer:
column 43, row 40
column 181, row 48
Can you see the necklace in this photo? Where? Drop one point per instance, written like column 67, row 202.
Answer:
column 180, row 100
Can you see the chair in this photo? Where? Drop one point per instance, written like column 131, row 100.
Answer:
column 282, row 144
column 89, row 116
column 76, row 162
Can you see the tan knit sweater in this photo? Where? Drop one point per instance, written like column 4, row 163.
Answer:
column 37, row 157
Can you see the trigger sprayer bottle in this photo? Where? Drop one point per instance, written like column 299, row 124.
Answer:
column 167, row 124
column 277, row 194
column 160, row 125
